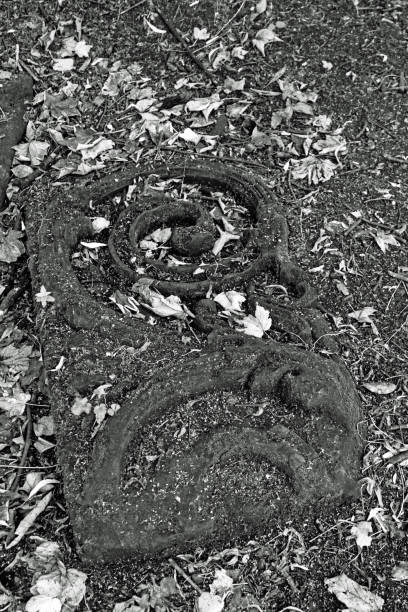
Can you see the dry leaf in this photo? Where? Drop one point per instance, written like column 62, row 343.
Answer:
column 362, row 531
column 190, row 135
column 99, row 224
column 222, row 583
column 81, row 406
column 357, row 598
column 313, row 168
column 208, row 602
column 380, row 388
column 224, row 238
column 170, row 306
column 11, row 246
column 44, row 297
column 201, row 34
column 30, row 519
column 63, row 64
column 255, row 325
column 385, row 240
column 22, row 171
column 265, row 37
column 260, row 7
column 232, row 85
column 230, row 300
column 400, row 571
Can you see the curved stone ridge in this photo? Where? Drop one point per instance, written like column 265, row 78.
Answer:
column 229, row 471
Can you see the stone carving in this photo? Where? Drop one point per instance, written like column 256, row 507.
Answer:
column 211, row 440
column 13, row 96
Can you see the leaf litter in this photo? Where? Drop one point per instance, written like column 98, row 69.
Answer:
column 313, row 159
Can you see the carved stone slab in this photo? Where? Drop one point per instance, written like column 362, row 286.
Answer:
column 13, row 97
column 209, row 433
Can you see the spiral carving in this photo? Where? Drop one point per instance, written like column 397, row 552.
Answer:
column 303, row 446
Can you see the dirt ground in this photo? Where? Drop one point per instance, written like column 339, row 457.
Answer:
column 342, row 61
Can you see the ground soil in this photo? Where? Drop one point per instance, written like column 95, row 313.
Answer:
column 365, row 92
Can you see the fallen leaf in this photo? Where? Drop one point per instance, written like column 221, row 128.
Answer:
column 63, row 64
column 15, row 404
column 92, row 152
column 265, row 37
column 115, row 82
column 208, row 602
column 255, row 325
column 201, row 34
column 161, row 236
column 259, row 138
column 232, row 85
column 204, row 105
column 230, row 300
column 222, row 583
column 22, row 171
column 43, row 603
column 29, row 519
column 400, row 571
column 238, row 53
column 313, row 168
column 126, row 304
column 363, row 315
column 46, row 483
column 190, row 135
column 225, row 238
column 82, row 49
column 16, row 358
column 362, row 531
column 93, row 245
column 80, row 406
column 380, row 388
column 170, row 306
column 99, row 224
column 357, row 598
column 44, row 297
column 154, row 28
column 11, row 246
column 260, row 7
column 385, row 240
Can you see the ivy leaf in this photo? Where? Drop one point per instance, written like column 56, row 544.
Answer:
column 10, row 246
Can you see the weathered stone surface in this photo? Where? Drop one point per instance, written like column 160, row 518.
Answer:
column 13, row 97
column 217, row 434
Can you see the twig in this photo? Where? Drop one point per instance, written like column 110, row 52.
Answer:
column 172, row 29
column 180, row 571
column 29, row 429
column 28, row 70
column 395, row 159
column 133, row 7
column 234, row 160
column 398, row 457
column 230, row 20
column 397, row 427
